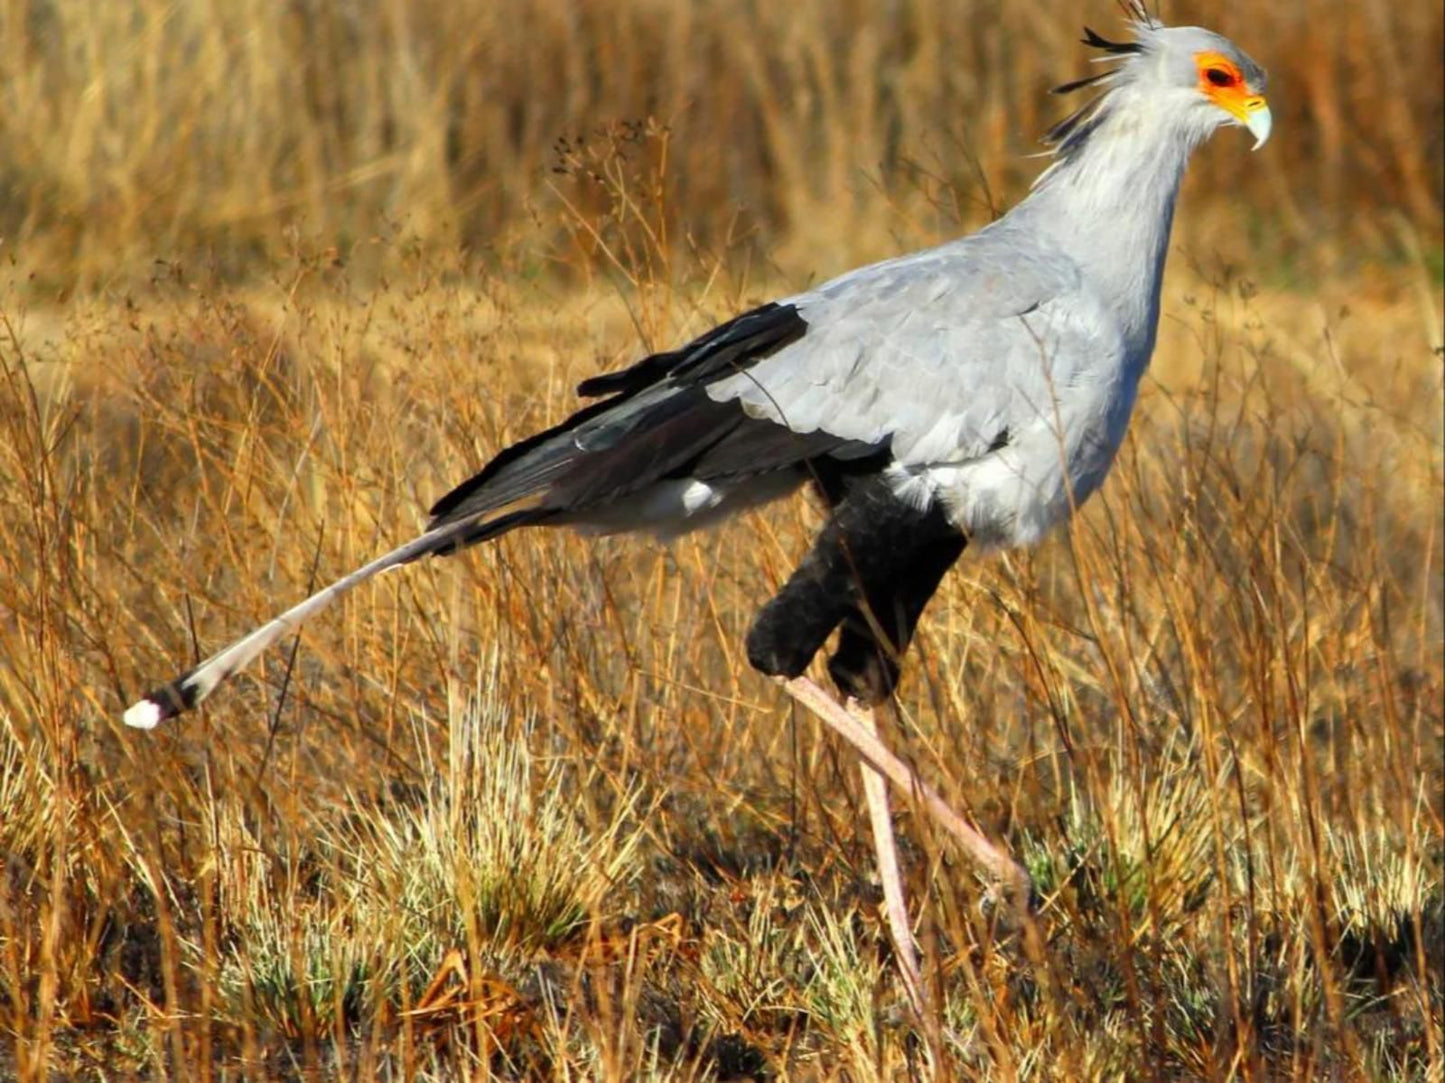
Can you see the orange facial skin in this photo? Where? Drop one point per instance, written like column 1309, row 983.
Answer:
column 1221, row 81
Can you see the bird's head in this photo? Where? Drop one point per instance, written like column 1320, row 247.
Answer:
column 1198, row 76
column 1210, row 76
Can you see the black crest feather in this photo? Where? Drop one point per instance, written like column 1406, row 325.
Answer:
column 1116, row 48
column 1080, row 84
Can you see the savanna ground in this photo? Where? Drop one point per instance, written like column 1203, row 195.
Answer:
column 276, row 275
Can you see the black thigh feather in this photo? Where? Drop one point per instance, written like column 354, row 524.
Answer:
column 872, row 569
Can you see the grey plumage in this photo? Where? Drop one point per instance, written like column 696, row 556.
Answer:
column 986, row 383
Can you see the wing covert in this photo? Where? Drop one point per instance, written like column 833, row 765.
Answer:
column 938, row 353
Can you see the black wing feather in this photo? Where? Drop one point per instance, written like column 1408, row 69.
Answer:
column 657, row 424
column 740, row 342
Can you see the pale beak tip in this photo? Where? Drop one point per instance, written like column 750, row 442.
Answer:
column 1259, row 122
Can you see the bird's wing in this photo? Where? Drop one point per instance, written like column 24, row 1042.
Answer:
column 938, row 355
column 656, row 423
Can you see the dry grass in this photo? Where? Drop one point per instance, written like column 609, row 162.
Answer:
column 192, row 131
column 527, row 812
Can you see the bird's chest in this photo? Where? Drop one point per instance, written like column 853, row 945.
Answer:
column 1052, row 464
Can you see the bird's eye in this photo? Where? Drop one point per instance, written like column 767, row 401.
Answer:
column 1219, row 77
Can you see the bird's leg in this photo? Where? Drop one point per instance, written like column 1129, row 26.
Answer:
column 885, row 609
column 872, row 548
column 873, row 568
column 865, row 667
column 885, row 846
column 1012, row 879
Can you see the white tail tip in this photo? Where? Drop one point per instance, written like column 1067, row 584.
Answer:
column 145, row 714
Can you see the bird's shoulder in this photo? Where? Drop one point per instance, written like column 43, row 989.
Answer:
column 997, row 273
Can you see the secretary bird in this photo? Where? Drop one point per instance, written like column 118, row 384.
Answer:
column 972, row 394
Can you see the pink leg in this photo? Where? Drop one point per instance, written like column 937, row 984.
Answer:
column 875, row 788
column 1012, row 880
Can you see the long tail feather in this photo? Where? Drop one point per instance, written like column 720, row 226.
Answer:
column 191, row 687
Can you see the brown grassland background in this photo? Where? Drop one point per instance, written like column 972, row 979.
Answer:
column 273, row 276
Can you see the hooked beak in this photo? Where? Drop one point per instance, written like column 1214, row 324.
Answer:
column 1258, row 121
column 1252, row 112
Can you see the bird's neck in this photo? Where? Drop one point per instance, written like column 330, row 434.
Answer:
column 1109, row 204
